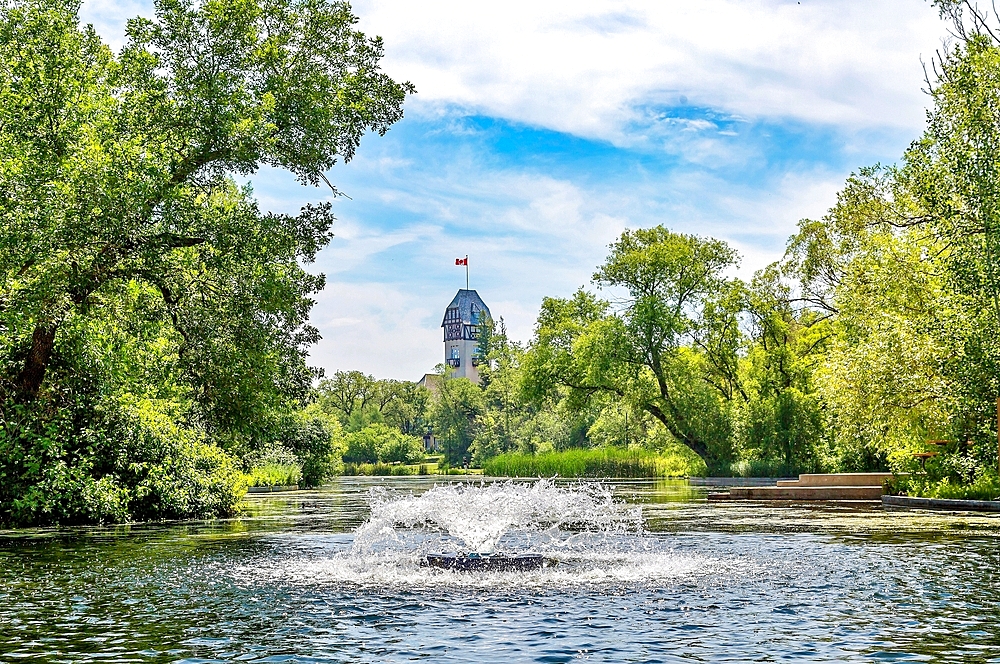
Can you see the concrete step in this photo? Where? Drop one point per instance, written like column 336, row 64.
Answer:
column 806, row 493
column 837, row 479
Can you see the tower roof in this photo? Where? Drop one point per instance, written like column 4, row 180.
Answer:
column 471, row 308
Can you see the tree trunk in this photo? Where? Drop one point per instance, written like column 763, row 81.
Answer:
column 698, row 446
column 33, row 373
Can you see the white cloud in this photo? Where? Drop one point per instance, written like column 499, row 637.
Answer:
column 583, row 66
column 375, row 328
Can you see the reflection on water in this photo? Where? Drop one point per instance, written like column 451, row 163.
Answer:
column 686, row 581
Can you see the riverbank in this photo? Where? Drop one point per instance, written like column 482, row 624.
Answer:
column 606, row 462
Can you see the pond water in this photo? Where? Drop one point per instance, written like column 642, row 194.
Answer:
column 647, row 572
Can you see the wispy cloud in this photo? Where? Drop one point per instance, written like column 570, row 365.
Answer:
column 585, row 67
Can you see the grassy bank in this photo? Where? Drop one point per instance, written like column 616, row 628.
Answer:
column 601, row 462
column 986, row 487
column 274, row 474
column 390, row 469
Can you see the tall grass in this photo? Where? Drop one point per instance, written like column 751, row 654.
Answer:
column 601, row 462
column 985, row 487
column 378, row 469
column 274, row 474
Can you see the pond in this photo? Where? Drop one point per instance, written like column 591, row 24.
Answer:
column 645, row 571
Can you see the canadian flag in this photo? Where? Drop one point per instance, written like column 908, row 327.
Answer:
column 462, row 261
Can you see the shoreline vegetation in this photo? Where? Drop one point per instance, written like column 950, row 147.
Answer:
column 605, row 462
column 155, row 321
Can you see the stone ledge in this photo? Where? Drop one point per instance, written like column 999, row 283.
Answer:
column 807, row 493
column 837, row 479
column 949, row 504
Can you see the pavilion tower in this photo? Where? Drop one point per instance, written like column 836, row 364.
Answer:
column 462, row 320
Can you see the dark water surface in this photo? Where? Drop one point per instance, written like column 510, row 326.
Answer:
column 702, row 583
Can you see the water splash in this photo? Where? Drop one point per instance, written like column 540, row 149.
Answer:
column 488, row 517
column 595, row 539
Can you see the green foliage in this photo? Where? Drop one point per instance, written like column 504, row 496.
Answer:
column 985, row 486
column 132, row 462
column 357, row 400
column 274, row 474
column 274, row 465
column 151, row 315
column 379, row 469
column 641, row 353
column 380, row 443
column 455, row 415
column 601, row 462
column 317, row 441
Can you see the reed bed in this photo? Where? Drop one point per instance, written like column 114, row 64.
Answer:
column 274, row 474
column 378, row 469
column 601, row 462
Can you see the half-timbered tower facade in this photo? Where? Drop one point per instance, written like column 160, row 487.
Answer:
column 462, row 320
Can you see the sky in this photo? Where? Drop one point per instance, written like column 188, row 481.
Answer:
column 541, row 130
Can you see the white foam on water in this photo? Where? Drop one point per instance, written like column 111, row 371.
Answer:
column 591, row 537
column 475, row 518
column 386, row 570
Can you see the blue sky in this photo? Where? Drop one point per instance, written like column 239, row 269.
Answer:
column 541, row 130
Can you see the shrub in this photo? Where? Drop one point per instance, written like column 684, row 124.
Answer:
column 318, row 442
column 274, row 465
column 133, row 462
column 379, row 443
column 985, row 487
column 273, row 474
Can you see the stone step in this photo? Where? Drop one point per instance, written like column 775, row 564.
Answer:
column 806, row 493
column 837, row 479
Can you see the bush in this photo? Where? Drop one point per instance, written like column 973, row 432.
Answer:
column 133, row 462
column 273, row 474
column 318, row 442
column 379, row 443
column 274, row 465
column 985, row 487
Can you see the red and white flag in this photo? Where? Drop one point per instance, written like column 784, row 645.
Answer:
column 462, row 261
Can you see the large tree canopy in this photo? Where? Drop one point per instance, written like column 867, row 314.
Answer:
column 136, row 277
column 113, row 166
column 668, row 289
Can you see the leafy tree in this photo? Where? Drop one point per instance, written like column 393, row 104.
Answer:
column 455, row 414
column 118, row 211
column 116, row 165
column 407, row 407
column 779, row 418
column 345, row 393
column 358, row 399
column 641, row 352
column 382, row 443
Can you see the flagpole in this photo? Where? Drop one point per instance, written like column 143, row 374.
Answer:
column 467, row 272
